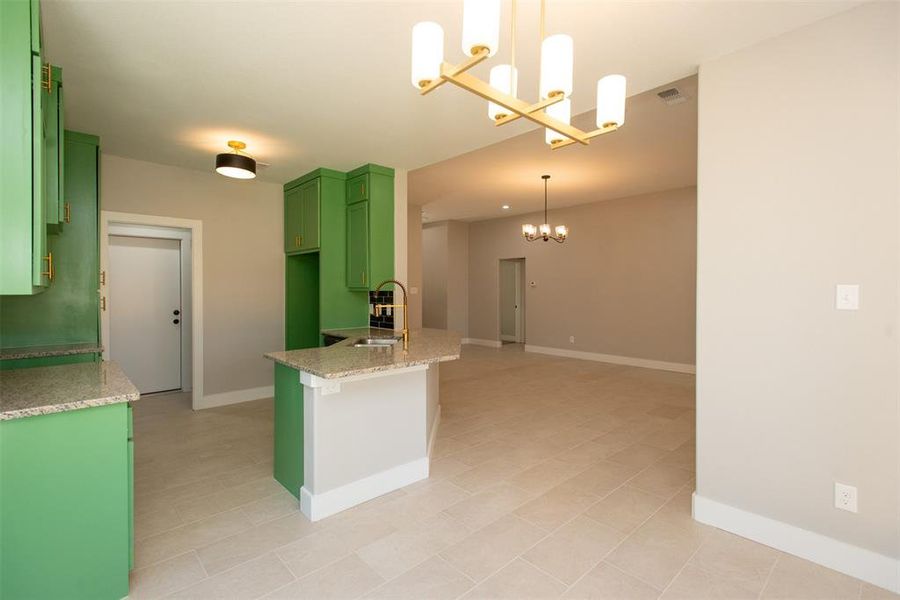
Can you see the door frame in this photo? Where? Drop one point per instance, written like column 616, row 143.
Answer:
column 139, row 225
column 519, row 263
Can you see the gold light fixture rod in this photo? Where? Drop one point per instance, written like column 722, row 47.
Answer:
column 532, row 109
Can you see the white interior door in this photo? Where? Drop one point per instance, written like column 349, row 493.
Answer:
column 510, row 300
column 145, row 310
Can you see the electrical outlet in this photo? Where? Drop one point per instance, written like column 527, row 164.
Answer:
column 571, row 339
column 845, row 497
column 846, row 296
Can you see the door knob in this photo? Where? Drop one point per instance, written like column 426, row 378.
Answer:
column 176, row 312
column 176, row 321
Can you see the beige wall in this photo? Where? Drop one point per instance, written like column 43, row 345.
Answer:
column 622, row 284
column 434, row 276
column 243, row 260
column 458, row 276
column 445, row 291
column 414, row 264
column 798, row 191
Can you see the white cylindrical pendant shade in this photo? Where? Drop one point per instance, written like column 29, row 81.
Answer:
column 427, row 53
column 611, row 101
column 557, row 56
column 481, row 26
column 504, row 79
column 561, row 111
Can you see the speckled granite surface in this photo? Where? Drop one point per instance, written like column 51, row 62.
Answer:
column 41, row 351
column 343, row 360
column 358, row 332
column 46, row 390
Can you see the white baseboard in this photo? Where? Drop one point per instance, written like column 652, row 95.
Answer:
column 319, row 506
column 630, row 361
column 479, row 342
column 869, row 566
column 235, row 397
column 434, row 428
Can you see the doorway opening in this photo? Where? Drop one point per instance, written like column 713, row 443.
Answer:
column 151, row 301
column 512, row 300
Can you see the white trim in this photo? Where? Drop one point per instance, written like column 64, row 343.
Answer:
column 508, row 338
column 235, row 397
column 195, row 226
column 861, row 563
column 319, row 506
column 434, row 427
column 479, row 342
column 630, row 361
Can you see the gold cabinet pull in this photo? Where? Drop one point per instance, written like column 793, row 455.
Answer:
column 47, row 71
column 49, row 271
column 103, row 303
column 68, row 211
column 300, row 240
column 362, row 190
column 362, row 277
column 297, row 239
column 102, row 277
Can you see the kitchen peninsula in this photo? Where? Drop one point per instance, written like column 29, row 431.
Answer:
column 356, row 419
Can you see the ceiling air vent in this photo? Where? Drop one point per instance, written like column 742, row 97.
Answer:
column 672, row 96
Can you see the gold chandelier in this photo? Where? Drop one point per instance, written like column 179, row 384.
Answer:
column 480, row 40
column 532, row 233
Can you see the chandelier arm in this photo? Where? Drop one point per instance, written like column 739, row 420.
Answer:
column 589, row 135
column 531, row 109
column 480, row 88
column 455, row 70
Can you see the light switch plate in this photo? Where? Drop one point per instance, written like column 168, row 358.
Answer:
column 846, row 296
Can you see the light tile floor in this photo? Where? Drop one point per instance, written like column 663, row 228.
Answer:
column 550, row 478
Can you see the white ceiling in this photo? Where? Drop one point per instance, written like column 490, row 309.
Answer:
column 326, row 83
column 655, row 150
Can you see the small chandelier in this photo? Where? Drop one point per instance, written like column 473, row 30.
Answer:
column 480, row 40
column 532, row 233
column 236, row 164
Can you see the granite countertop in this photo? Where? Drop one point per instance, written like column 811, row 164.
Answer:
column 343, row 360
column 47, row 390
column 41, row 351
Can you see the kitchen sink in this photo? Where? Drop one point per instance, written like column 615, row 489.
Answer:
column 375, row 342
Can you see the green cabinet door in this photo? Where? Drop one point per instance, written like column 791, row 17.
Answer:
column 309, row 193
column 54, row 155
column 358, row 246
column 358, row 188
column 301, row 217
column 293, row 220
column 41, row 261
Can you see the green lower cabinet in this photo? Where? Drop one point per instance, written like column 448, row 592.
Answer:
column 288, row 464
column 65, row 510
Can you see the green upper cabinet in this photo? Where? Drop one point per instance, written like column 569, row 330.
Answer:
column 301, row 217
column 57, row 212
column 358, row 188
column 358, row 246
column 25, row 264
column 370, row 226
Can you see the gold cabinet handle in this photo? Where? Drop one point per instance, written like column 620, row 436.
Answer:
column 103, row 303
column 68, row 211
column 102, row 277
column 300, row 238
column 362, row 276
column 362, row 190
column 47, row 84
column 49, row 271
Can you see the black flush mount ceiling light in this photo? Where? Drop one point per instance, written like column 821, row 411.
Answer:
column 236, row 163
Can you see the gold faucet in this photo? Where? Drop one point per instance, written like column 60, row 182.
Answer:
column 379, row 307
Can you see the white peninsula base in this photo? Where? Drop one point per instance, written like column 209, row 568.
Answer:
column 365, row 435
